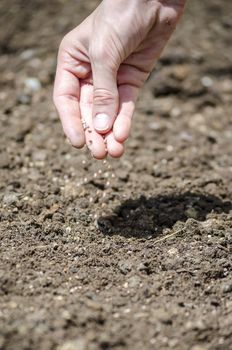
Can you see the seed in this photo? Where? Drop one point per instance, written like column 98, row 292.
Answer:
column 107, row 183
column 83, row 162
column 113, row 175
column 91, row 199
column 95, row 175
column 85, row 180
column 99, row 171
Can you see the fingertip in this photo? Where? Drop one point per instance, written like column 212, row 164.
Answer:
column 76, row 139
column 121, row 129
column 117, row 153
column 115, row 148
column 99, row 154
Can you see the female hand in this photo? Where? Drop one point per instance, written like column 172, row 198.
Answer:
column 103, row 63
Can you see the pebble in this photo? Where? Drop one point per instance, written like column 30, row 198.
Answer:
column 27, row 54
column 24, row 99
column 173, row 251
column 10, row 198
column 185, row 136
column 134, row 281
column 125, row 267
column 206, row 81
column 93, row 305
column 227, row 288
column 191, row 213
column 155, row 126
column 33, row 84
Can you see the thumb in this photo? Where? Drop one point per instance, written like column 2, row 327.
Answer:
column 105, row 96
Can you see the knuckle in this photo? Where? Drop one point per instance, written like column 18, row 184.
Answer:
column 103, row 97
column 97, row 53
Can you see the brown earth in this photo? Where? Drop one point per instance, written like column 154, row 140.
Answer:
column 137, row 261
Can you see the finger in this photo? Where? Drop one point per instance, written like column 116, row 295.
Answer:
column 66, row 99
column 115, row 148
column 94, row 140
column 105, row 96
column 128, row 95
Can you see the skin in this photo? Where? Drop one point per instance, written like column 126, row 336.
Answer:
column 102, row 65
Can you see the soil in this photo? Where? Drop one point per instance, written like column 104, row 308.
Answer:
column 138, row 255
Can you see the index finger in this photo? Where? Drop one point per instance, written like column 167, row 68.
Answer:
column 66, row 99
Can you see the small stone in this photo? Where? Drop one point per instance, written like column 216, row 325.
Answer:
column 169, row 148
column 173, row 252
column 33, row 84
column 93, row 305
column 10, row 198
column 125, row 267
column 191, row 213
column 24, row 99
column 206, row 81
column 227, row 288
column 134, row 282
column 185, row 136
column 39, row 155
column 27, row 54
column 155, row 126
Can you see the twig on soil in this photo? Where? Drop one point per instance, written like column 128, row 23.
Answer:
column 168, row 236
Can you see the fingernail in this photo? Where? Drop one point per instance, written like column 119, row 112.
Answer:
column 102, row 122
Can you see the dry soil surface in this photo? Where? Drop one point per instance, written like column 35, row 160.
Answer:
column 137, row 256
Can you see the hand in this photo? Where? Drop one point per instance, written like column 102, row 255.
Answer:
column 103, row 63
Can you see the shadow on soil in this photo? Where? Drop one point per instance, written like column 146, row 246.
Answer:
column 144, row 217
